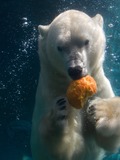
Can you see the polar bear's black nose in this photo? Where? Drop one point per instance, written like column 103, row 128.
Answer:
column 75, row 72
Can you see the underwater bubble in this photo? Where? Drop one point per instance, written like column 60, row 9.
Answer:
column 110, row 25
column 109, row 36
column 2, row 85
column 25, row 24
column 71, row 3
column 24, row 18
column 111, row 70
column 18, row 92
column 17, row 117
column 110, row 7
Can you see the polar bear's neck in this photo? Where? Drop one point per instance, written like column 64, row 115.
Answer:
column 104, row 89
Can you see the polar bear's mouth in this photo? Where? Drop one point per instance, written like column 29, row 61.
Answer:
column 77, row 72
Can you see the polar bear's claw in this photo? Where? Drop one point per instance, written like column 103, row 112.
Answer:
column 61, row 103
column 92, row 113
column 61, row 111
column 91, row 110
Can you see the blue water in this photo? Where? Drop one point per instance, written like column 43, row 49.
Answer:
column 19, row 63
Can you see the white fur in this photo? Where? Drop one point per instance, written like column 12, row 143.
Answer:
column 70, row 134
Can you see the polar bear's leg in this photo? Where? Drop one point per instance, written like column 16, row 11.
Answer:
column 58, row 130
column 105, row 115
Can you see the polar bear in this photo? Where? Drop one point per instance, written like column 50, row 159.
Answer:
column 71, row 47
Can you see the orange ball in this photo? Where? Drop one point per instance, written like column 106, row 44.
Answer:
column 79, row 91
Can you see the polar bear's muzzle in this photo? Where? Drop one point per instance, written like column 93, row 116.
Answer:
column 76, row 65
column 77, row 72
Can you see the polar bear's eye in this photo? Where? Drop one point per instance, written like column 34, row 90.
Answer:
column 60, row 49
column 86, row 42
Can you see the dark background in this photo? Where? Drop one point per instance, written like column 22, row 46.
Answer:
column 19, row 63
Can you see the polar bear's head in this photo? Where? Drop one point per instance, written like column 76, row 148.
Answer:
column 73, row 42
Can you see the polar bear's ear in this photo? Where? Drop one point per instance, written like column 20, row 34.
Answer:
column 43, row 30
column 99, row 19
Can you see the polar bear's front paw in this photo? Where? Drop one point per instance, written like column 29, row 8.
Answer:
column 61, row 109
column 103, row 116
